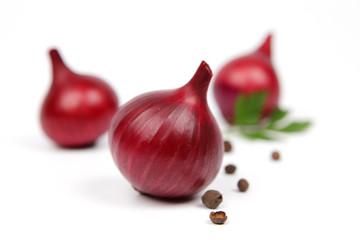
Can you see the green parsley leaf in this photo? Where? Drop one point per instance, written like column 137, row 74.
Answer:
column 277, row 115
column 294, row 127
column 256, row 135
column 248, row 108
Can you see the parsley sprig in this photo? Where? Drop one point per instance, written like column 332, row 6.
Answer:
column 248, row 110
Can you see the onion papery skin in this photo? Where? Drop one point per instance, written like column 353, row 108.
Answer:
column 167, row 143
column 78, row 108
column 253, row 73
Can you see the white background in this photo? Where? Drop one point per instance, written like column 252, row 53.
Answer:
column 137, row 46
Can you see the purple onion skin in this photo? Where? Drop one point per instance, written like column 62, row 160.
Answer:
column 252, row 73
column 78, row 108
column 167, row 143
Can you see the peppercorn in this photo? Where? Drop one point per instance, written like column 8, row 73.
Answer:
column 212, row 199
column 227, row 146
column 218, row 217
column 230, row 168
column 275, row 155
column 243, row 185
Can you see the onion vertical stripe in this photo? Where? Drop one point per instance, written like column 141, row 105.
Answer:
column 167, row 143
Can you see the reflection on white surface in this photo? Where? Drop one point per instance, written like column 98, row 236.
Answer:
column 139, row 46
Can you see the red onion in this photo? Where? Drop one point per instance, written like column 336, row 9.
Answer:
column 249, row 74
column 78, row 108
column 167, row 143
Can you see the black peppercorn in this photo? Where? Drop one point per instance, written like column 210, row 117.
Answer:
column 218, row 217
column 212, row 199
column 243, row 185
column 230, row 168
column 227, row 146
column 275, row 155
